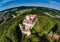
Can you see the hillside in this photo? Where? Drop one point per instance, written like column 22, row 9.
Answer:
column 48, row 20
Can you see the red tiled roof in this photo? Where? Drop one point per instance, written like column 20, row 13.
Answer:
column 32, row 16
column 55, row 36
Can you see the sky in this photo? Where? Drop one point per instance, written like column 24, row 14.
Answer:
column 6, row 4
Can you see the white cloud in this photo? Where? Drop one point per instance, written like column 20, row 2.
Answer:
column 54, row 2
column 51, row 4
column 5, row 1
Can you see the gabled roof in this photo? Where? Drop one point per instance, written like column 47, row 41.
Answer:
column 55, row 36
column 32, row 16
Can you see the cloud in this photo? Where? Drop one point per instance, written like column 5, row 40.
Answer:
column 54, row 4
column 50, row 4
column 5, row 1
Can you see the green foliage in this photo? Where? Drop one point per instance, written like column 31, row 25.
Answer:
column 31, row 38
column 42, row 27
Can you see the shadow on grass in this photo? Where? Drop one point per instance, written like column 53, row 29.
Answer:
column 44, row 39
column 19, row 34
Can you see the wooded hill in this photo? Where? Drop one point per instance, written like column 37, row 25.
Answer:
column 48, row 20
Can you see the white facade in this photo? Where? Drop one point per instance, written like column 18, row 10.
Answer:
column 28, row 24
